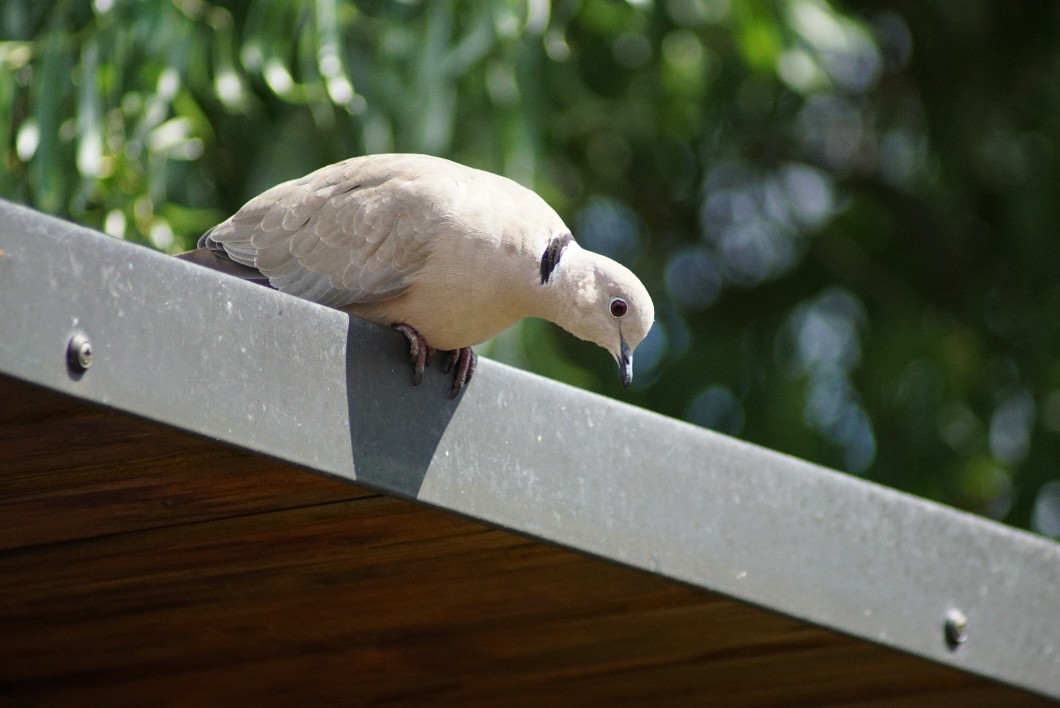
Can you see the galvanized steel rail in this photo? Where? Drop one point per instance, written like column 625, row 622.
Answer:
column 129, row 328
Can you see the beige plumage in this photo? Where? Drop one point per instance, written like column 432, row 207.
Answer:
column 448, row 254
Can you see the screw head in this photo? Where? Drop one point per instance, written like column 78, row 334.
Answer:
column 79, row 353
column 955, row 628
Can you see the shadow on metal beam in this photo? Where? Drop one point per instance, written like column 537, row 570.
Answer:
column 395, row 427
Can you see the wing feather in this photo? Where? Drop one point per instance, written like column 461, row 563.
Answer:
column 355, row 231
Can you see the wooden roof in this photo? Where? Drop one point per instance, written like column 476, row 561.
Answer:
column 154, row 551
column 140, row 565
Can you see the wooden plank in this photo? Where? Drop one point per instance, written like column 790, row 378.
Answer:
column 140, row 565
column 64, row 460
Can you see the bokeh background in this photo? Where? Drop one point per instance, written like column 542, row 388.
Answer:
column 848, row 213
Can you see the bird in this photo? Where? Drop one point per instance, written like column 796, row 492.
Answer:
column 447, row 254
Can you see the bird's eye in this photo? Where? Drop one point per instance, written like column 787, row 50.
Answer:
column 618, row 307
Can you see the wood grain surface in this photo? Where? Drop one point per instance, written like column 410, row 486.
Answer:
column 143, row 566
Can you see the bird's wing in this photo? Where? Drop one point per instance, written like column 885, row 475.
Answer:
column 352, row 232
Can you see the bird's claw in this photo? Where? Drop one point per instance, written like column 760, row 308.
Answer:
column 417, row 351
column 464, row 361
column 461, row 362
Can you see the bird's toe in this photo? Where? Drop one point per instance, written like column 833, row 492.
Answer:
column 464, row 362
column 418, row 351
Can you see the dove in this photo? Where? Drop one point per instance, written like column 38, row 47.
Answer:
column 446, row 254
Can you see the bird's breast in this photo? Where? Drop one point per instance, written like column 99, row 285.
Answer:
column 462, row 296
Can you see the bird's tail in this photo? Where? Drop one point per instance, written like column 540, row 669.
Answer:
column 220, row 262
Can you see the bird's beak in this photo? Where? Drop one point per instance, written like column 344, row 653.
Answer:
column 625, row 363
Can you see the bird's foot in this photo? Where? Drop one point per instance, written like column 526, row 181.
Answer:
column 460, row 361
column 463, row 361
column 418, row 351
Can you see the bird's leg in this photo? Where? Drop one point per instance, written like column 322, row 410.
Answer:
column 417, row 351
column 464, row 361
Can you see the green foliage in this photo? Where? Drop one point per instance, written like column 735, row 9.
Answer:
column 846, row 213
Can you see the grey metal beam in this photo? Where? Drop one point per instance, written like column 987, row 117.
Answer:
column 254, row 368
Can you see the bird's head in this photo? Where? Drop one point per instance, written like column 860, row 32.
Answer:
column 610, row 306
column 624, row 315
